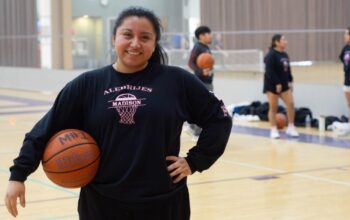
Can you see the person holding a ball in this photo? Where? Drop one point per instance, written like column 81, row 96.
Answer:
column 134, row 109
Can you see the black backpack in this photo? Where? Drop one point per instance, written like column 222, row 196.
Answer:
column 300, row 116
column 263, row 110
column 330, row 119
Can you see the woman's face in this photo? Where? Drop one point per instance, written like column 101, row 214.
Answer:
column 347, row 37
column 282, row 43
column 134, row 43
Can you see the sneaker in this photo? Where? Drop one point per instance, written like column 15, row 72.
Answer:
column 292, row 132
column 274, row 134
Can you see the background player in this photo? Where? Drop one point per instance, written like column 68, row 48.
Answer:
column 204, row 37
column 278, row 81
column 345, row 58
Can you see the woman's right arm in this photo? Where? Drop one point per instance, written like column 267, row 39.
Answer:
column 65, row 113
column 341, row 55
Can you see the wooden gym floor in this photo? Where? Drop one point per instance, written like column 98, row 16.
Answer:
column 256, row 179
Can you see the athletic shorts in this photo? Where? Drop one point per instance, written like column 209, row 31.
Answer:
column 270, row 87
column 346, row 88
column 94, row 206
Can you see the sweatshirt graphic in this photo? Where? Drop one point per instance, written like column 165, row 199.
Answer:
column 126, row 105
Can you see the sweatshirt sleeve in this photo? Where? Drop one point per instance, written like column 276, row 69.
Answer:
column 290, row 76
column 341, row 55
column 65, row 113
column 270, row 66
column 211, row 115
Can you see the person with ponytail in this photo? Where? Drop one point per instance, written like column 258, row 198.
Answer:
column 135, row 109
column 345, row 59
column 278, row 83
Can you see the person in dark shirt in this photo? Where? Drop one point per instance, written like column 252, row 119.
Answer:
column 141, row 175
column 204, row 39
column 278, row 83
column 345, row 59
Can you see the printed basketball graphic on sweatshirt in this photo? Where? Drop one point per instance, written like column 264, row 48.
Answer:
column 346, row 58
column 126, row 105
column 285, row 64
column 224, row 110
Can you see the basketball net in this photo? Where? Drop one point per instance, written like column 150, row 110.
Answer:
column 126, row 114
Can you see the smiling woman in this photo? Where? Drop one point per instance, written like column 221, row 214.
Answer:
column 134, row 44
column 135, row 38
column 135, row 110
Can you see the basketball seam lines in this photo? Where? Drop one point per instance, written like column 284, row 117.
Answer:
column 65, row 150
column 98, row 157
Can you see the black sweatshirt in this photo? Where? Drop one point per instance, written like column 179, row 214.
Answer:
column 277, row 67
column 199, row 48
column 136, row 120
column 345, row 59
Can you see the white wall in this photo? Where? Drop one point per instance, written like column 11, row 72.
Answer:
column 35, row 79
column 321, row 99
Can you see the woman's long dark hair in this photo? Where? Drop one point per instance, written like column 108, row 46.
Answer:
column 276, row 37
column 159, row 55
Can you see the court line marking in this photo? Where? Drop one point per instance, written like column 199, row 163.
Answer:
column 305, row 138
column 58, row 217
column 8, row 152
column 25, row 100
column 24, row 112
column 23, row 104
column 268, row 174
column 298, row 174
column 46, row 200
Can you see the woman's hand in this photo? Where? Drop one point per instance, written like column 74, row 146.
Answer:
column 279, row 88
column 179, row 169
column 15, row 189
column 206, row 72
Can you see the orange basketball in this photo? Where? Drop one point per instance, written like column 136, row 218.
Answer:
column 281, row 120
column 205, row 61
column 71, row 158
